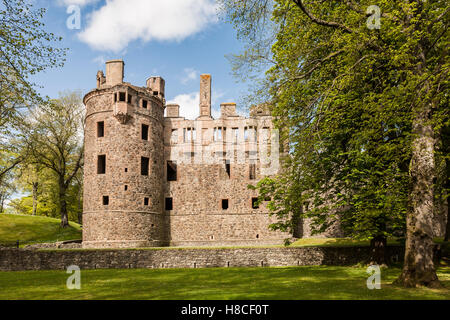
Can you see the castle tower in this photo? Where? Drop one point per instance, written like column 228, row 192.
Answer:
column 124, row 165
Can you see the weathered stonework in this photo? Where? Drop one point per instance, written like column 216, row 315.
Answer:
column 19, row 259
column 194, row 190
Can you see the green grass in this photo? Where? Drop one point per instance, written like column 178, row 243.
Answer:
column 35, row 229
column 310, row 282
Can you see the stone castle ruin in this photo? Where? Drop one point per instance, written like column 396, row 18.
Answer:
column 155, row 180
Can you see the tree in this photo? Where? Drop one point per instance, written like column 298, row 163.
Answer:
column 54, row 134
column 362, row 106
column 25, row 50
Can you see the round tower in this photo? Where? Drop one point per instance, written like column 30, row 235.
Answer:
column 124, row 166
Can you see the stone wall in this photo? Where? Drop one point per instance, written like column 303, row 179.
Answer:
column 20, row 259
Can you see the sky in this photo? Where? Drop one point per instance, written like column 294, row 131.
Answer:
column 175, row 39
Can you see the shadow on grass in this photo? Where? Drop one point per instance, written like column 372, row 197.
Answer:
column 317, row 282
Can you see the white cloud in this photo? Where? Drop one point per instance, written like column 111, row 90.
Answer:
column 189, row 104
column 189, row 74
column 80, row 3
column 119, row 22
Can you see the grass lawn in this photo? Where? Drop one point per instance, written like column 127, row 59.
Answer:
column 35, row 229
column 309, row 282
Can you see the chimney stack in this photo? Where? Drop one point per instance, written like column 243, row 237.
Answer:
column 114, row 72
column 205, row 95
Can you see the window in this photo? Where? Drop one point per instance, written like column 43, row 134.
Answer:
column 105, row 200
column 224, row 204
column 144, row 166
column 100, row 129
column 228, row 168
column 189, row 134
column 126, row 188
column 126, row 169
column 145, row 201
column 255, row 203
column 129, row 98
column 252, row 171
column 121, row 96
column 144, row 132
column 169, row 205
column 174, row 136
column 171, row 171
column 115, row 97
column 155, row 93
column 246, row 134
column 235, row 135
column 101, row 164
column 218, row 134
column 144, row 104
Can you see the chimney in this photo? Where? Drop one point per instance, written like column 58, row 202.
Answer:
column 205, row 95
column 173, row 110
column 114, row 72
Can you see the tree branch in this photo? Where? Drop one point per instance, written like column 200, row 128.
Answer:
column 321, row 22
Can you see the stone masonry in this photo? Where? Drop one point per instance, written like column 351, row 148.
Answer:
column 155, row 180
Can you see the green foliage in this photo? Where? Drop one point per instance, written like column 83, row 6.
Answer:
column 346, row 97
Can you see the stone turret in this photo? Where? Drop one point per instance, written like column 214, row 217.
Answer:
column 124, row 165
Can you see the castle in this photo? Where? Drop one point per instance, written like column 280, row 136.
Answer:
column 155, row 180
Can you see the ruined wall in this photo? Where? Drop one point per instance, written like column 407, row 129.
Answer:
column 18, row 259
column 204, row 180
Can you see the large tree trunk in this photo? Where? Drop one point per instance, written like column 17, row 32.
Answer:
column 447, row 228
column 418, row 269
column 35, row 191
column 63, row 205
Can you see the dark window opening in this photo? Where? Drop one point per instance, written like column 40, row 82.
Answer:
column 144, row 134
column 122, row 96
column 224, row 204
column 144, row 166
column 255, row 203
column 145, row 201
column 252, row 171
column 115, row 97
column 171, row 171
column 100, row 129
column 105, row 200
column 101, row 164
column 129, row 98
column 169, row 205
column 126, row 169
column 257, row 236
column 126, row 187
column 228, row 168
column 144, row 104
column 155, row 93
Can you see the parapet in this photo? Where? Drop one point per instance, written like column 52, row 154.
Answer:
column 228, row 109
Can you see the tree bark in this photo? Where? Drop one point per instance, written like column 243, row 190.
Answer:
column 63, row 205
column 418, row 269
column 35, row 191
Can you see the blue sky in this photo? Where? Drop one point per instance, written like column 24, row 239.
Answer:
column 175, row 39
